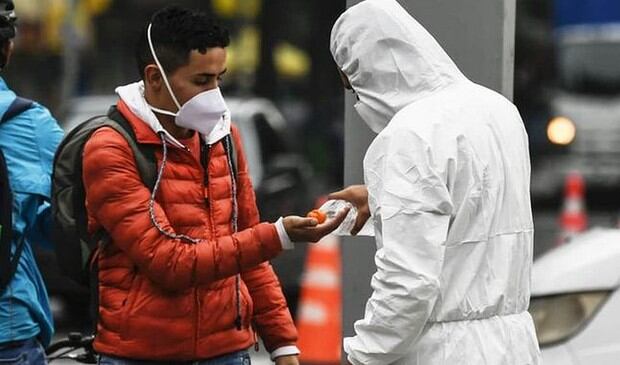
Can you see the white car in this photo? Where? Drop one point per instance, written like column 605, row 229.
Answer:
column 576, row 302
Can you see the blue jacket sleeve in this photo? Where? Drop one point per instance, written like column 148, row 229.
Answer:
column 49, row 135
column 29, row 142
column 30, row 145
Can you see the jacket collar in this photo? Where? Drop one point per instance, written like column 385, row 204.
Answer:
column 144, row 133
column 134, row 107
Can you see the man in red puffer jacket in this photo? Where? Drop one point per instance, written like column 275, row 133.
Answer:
column 186, row 276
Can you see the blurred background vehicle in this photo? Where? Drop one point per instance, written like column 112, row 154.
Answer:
column 83, row 108
column 582, row 131
column 576, row 302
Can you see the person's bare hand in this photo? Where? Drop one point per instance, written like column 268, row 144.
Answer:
column 358, row 196
column 287, row 360
column 308, row 229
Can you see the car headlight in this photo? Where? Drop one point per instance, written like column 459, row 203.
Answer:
column 561, row 131
column 558, row 317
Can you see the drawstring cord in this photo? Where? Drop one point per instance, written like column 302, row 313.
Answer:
column 235, row 219
column 235, row 213
column 160, row 174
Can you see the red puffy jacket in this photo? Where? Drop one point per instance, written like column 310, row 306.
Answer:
column 165, row 299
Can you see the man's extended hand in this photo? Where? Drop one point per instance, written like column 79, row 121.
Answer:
column 308, row 229
column 287, row 360
column 358, row 196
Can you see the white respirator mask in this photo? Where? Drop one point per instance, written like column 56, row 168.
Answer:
column 375, row 120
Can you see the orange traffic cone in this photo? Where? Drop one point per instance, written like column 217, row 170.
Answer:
column 573, row 219
column 318, row 318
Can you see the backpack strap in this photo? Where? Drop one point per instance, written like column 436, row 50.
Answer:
column 18, row 106
column 6, row 223
column 143, row 154
column 146, row 164
column 9, row 271
column 8, row 265
column 74, row 243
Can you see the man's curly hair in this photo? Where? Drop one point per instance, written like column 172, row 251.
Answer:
column 175, row 32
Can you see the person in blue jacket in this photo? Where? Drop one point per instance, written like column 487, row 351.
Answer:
column 28, row 142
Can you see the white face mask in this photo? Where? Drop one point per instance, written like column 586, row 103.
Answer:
column 201, row 113
column 374, row 119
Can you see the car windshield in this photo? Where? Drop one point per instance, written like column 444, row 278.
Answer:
column 590, row 67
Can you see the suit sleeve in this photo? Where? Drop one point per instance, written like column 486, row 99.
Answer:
column 414, row 207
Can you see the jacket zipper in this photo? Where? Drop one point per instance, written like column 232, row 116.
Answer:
column 256, row 344
column 203, row 161
column 227, row 148
column 205, row 156
column 196, row 290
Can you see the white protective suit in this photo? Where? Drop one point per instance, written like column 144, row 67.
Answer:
column 448, row 181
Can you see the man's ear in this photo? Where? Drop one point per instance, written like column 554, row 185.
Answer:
column 153, row 78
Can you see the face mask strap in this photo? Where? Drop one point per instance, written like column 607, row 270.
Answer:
column 161, row 111
column 163, row 73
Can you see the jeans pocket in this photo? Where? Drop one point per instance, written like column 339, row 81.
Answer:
column 241, row 358
column 245, row 359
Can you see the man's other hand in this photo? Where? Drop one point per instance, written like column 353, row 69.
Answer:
column 358, row 196
column 309, row 230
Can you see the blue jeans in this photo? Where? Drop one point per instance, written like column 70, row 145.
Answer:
column 28, row 352
column 236, row 358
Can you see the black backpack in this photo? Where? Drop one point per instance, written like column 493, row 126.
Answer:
column 8, row 264
column 75, row 248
